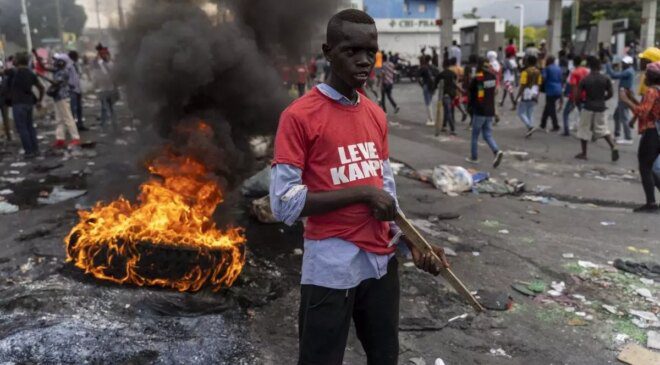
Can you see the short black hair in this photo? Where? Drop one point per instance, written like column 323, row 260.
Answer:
column 453, row 61
column 550, row 60
column 349, row 15
column 577, row 61
column 22, row 59
column 593, row 62
column 446, row 63
column 531, row 60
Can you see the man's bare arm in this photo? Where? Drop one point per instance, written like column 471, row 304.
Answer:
column 382, row 203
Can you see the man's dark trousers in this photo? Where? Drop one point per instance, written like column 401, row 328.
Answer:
column 325, row 317
column 25, row 127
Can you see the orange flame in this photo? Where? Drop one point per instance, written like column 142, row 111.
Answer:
column 174, row 212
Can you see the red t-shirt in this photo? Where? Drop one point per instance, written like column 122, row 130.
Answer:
column 337, row 147
column 510, row 51
column 578, row 75
column 301, row 71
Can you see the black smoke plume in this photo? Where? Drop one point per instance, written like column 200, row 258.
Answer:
column 179, row 65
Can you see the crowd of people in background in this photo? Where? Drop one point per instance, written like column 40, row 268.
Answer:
column 479, row 86
column 57, row 80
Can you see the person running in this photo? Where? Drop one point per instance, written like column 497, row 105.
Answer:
column 61, row 94
column 574, row 100
column 387, row 82
column 510, row 68
column 648, row 113
column 552, row 79
column 626, row 79
column 331, row 165
column 21, row 82
column 448, row 93
column 597, row 89
column 482, row 103
column 528, row 93
column 426, row 80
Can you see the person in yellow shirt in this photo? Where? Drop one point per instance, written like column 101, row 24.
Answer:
column 650, row 55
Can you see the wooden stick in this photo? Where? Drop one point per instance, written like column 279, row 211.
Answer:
column 422, row 245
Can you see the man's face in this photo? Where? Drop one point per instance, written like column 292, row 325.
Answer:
column 352, row 56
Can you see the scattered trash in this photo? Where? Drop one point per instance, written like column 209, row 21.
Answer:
column 621, row 338
column 7, row 208
column 536, row 286
column 443, row 217
column 557, row 288
column 6, row 192
column 537, row 199
column 451, row 180
column 647, row 316
column 519, row 155
column 12, row 180
column 449, row 252
column 610, row 308
column 297, row 251
column 523, row 289
column 499, row 301
column 607, row 224
column 588, row 265
column 496, row 188
column 644, row 281
column 18, row 164
column 634, row 354
column 653, row 340
column 439, row 361
column 499, row 352
column 59, row 194
column 644, row 292
column 121, row 142
column 491, row 224
column 462, row 316
column 581, row 314
column 409, row 264
column 568, row 255
column 475, row 253
column 417, row 361
column 45, row 167
column 576, row 322
column 260, row 209
column 646, row 269
column 258, row 184
column 504, row 231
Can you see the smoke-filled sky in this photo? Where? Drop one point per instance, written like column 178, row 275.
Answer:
column 487, row 8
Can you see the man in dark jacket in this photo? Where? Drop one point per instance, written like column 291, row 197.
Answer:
column 552, row 80
column 21, row 82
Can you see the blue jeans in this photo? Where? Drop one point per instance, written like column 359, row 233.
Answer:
column 621, row 120
column 568, row 108
column 76, row 108
column 481, row 123
column 107, row 110
column 526, row 112
column 428, row 96
column 25, row 127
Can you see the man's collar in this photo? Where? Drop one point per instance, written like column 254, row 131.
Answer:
column 335, row 95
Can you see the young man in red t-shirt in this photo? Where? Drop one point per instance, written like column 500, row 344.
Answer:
column 331, row 165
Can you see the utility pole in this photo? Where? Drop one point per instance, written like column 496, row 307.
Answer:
column 575, row 18
column 58, row 9
column 26, row 26
column 120, row 10
column 521, row 47
column 98, row 19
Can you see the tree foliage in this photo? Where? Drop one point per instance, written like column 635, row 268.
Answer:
column 43, row 19
column 593, row 11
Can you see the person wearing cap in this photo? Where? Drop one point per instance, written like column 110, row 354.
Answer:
column 61, row 94
column 650, row 55
column 648, row 113
column 626, row 79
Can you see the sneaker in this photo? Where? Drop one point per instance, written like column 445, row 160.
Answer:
column 396, row 110
column 470, row 160
column 74, row 142
column 556, row 129
column 498, row 159
column 581, row 156
column 59, row 144
column 624, row 141
column 615, row 155
column 530, row 131
column 430, row 123
column 647, row 208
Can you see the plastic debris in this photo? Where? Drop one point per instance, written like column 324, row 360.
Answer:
column 653, row 340
column 260, row 209
column 607, row 224
column 258, row 184
column 610, row 308
column 475, row 253
column 537, row 199
column 576, row 322
column 499, row 352
column 523, row 289
column 504, row 231
column 462, row 316
column 588, row 265
column 12, row 180
column 451, row 180
column 417, row 361
column 7, row 208
column 568, row 255
column 5, row 192
column 439, row 361
column 647, row 316
column 297, row 251
column 644, row 281
column 646, row 269
column 491, row 224
column 18, row 164
column 59, row 194
column 644, row 292
column 492, row 300
column 621, row 338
